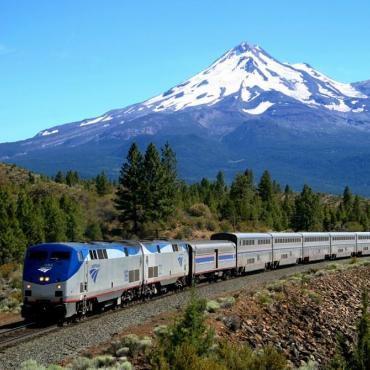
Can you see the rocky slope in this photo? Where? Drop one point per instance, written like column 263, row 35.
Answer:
column 301, row 317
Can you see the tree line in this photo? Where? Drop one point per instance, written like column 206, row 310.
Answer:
column 149, row 200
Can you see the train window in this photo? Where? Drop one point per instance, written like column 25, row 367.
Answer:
column 38, row 255
column 137, row 275
column 250, row 260
column 100, row 254
column 126, row 251
column 131, row 276
column 80, row 256
column 95, row 255
column 158, row 249
column 105, row 253
column 91, row 255
column 60, row 256
column 175, row 247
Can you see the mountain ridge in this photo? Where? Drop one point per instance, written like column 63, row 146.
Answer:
column 240, row 95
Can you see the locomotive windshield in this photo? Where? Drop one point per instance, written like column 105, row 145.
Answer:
column 59, row 256
column 38, row 255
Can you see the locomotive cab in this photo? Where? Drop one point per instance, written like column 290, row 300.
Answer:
column 47, row 269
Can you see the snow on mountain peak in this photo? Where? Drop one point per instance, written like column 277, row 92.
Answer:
column 247, row 72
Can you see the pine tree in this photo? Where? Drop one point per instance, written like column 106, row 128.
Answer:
column 72, row 178
column 60, row 178
column 55, row 221
column 169, row 182
column 73, row 218
column 102, row 184
column 308, row 211
column 265, row 187
column 12, row 240
column 129, row 199
column 30, row 219
column 152, row 185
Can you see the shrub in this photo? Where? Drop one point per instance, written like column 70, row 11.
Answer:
column 81, row 363
column 7, row 269
column 226, row 302
column 199, row 210
column 264, row 297
column 212, row 306
column 31, row 365
column 238, row 357
column 103, row 361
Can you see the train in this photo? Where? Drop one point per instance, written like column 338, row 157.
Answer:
column 67, row 281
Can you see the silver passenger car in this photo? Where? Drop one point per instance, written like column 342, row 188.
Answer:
column 342, row 245
column 212, row 258
column 254, row 250
column 316, row 246
column 363, row 243
column 286, row 248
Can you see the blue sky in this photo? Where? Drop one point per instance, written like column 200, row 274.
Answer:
column 62, row 61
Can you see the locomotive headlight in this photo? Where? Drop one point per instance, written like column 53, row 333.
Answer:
column 59, row 286
column 28, row 286
column 47, row 278
column 42, row 278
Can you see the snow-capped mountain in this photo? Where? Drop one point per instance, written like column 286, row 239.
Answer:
column 245, row 109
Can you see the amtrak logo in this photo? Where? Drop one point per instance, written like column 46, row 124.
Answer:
column 45, row 268
column 181, row 260
column 94, row 272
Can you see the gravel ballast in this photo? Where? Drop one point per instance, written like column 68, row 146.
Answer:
column 72, row 340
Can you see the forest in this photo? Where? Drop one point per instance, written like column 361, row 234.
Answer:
column 149, row 200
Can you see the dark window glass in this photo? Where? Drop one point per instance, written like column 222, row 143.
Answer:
column 95, row 254
column 59, row 256
column 100, row 254
column 38, row 255
column 91, row 255
column 158, row 249
column 126, row 251
column 105, row 253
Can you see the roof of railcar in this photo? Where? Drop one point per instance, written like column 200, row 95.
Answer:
column 246, row 235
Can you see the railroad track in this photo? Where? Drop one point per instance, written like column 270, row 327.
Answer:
column 20, row 332
column 15, row 333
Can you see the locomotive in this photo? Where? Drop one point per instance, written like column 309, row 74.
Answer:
column 65, row 281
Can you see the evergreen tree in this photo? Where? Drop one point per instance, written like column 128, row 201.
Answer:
column 72, row 178
column 129, row 200
column 308, row 211
column 94, row 232
column 102, row 184
column 30, row 219
column 12, row 241
column 74, row 224
column 55, row 221
column 242, row 197
column 169, row 182
column 60, row 178
column 152, row 185
column 265, row 187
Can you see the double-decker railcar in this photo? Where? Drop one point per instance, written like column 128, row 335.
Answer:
column 254, row 250
column 342, row 245
column 286, row 248
column 363, row 244
column 316, row 246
